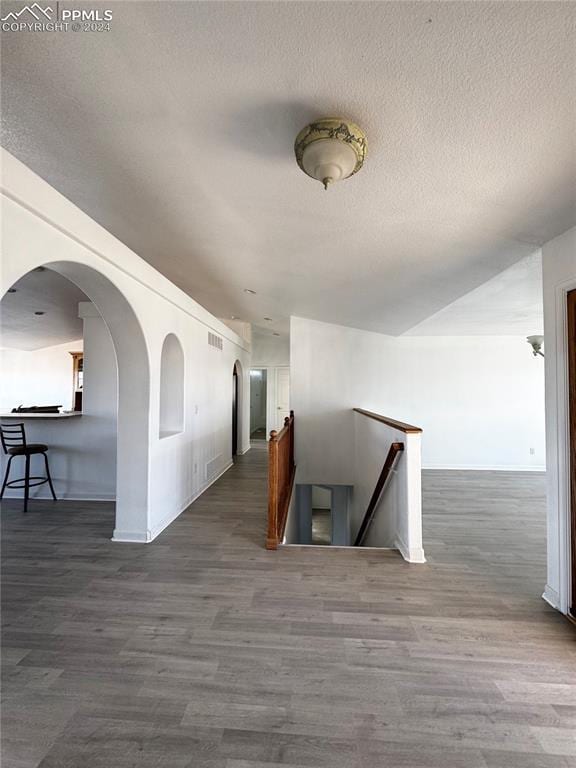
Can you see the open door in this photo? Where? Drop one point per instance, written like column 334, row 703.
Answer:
column 282, row 396
column 572, row 428
column 235, row 412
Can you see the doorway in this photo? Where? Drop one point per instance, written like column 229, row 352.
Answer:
column 572, row 438
column 128, row 452
column 258, row 403
column 58, row 356
column 321, row 515
column 282, row 395
column 235, row 411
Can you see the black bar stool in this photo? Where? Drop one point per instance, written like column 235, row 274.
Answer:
column 14, row 444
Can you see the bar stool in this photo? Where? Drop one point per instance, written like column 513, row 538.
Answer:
column 14, row 443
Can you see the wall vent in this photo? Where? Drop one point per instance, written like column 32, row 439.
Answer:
column 215, row 341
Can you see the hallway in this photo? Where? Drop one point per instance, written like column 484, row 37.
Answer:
column 204, row 650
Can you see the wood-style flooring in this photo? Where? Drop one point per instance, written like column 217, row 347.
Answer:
column 205, row 650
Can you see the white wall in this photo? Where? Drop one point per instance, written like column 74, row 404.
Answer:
column 321, row 498
column 269, row 351
column 479, row 400
column 98, row 426
column 397, row 522
column 240, row 328
column 40, row 377
column 559, row 275
column 272, row 354
column 157, row 478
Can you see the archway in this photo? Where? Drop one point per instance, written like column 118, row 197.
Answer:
column 131, row 523
column 237, row 407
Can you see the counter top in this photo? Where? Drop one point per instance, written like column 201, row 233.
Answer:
column 69, row 415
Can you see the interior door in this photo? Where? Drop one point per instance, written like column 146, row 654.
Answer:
column 282, row 396
column 572, row 408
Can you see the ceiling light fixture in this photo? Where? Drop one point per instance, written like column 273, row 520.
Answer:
column 249, row 290
column 330, row 149
column 536, row 342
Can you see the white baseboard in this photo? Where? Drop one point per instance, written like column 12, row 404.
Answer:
column 476, row 468
column 63, row 496
column 338, row 546
column 157, row 530
column 415, row 555
column 130, row 537
column 410, row 554
column 551, row 597
column 241, row 453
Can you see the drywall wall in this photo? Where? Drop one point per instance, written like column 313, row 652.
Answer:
column 157, row 478
column 240, row 328
column 271, row 354
column 39, row 377
column 269, row 351
column 397, row 522
column 559, row 277
column 479, row 400
column 98, row 426
column 321, row 497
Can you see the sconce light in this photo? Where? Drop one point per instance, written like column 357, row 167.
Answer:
column 536, row 342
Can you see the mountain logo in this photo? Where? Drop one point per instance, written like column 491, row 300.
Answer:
column 34, row 9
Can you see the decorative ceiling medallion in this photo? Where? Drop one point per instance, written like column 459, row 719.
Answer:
column 330, row 149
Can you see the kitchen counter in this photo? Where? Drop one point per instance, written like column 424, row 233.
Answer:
column 69, row 415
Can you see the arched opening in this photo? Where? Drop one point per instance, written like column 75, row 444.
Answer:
column 171, row 387
column 237, row 389
column 133, row 392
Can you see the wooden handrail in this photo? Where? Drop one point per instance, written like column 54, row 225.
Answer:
column 394, row 451
column 399, row 425
column 281, row 473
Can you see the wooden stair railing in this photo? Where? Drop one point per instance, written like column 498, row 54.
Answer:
column 281, row 472
column 393, row 453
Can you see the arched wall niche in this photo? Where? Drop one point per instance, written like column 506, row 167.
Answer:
column 171, row 417
column 131, row 522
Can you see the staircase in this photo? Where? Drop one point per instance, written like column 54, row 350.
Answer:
column 381, row 509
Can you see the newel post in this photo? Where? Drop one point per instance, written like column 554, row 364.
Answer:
column 272, row 535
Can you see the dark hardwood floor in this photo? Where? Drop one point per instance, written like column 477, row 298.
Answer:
column 205, row 650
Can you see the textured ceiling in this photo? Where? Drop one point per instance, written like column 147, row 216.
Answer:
column 509, row 304
column 175, row 129
column 41, row 291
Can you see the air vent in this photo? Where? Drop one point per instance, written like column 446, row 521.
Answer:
column 214, row 341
